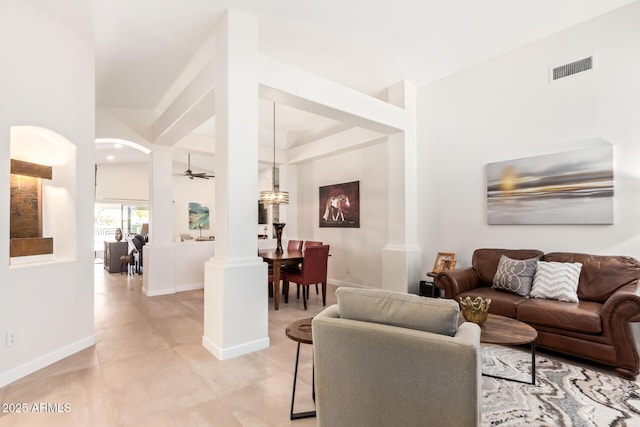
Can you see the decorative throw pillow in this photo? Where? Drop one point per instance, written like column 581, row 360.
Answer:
column 515, row 275
column 557, row 280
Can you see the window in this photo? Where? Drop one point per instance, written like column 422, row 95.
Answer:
column 109, row 217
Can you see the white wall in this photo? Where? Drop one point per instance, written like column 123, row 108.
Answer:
column 129, row 182
column 356, row 252
column 507, row 109
column 122, row 183
column 196, row 190
column 47, row 80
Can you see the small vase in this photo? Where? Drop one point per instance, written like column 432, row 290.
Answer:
column 278, row 226
column 118, row 235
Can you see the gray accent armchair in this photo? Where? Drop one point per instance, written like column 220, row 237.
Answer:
column 390, row 359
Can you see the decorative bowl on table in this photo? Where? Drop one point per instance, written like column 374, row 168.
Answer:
column 475, row 309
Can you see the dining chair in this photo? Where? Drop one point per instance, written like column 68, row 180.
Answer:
column 270, row 281
column 298, row 267
column 294, row 245
column 314, row 270
column 306, row 245
column 270, row 278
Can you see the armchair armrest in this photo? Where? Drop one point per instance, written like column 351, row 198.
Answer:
column 619, row 311
column 452, row 282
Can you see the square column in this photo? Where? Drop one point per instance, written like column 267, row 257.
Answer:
column 159, row 254
column 401, row 257
column 235, row 280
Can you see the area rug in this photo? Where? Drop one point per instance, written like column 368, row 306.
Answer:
column 565, row 394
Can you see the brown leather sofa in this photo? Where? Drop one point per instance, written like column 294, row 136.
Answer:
column 600, row 327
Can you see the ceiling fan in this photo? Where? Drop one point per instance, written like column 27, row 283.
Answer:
column 190, row 174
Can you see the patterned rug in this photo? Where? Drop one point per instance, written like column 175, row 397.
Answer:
column 564, row 395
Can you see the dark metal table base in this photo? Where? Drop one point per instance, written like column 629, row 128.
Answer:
column 533, row 369
column 308, row 414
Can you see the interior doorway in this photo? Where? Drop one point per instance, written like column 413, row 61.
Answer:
column 108, row 217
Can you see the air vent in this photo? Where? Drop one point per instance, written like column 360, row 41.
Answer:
column 576, row 67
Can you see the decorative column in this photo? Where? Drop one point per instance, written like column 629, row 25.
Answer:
column 401, row 257
column 235, row 281
column 159, row 254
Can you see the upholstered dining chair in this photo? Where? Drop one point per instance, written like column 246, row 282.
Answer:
column 314, row 270
column 308, row 243
column 270, row 280
column 294, row 245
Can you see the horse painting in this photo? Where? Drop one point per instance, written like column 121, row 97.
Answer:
column 339, row 205
column 333, row 208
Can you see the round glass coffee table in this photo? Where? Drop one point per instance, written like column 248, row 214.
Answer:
column 504, row 330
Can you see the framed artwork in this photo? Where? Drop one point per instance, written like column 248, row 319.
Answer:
column 198, row 216
column 262, row 213
column 444, row 261
column 339, row 205
column 573, row 187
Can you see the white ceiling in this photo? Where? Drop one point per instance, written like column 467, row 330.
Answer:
column 143, row 46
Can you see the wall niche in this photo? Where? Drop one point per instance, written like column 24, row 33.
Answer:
column 25, row 229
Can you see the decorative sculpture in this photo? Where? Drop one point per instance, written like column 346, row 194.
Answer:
column 278, row 226
column 475, row 310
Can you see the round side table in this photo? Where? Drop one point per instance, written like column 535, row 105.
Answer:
column 300, row 331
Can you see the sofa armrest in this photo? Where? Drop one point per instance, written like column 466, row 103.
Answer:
column 619, row 311
column 452, row 282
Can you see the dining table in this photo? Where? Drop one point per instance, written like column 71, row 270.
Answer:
column 278, row 260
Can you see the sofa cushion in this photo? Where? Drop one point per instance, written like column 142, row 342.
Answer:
column 583, row 316
column 556, row 280
column 485, row 261
column 515, row 275
column 435, row 315
column 601, row 275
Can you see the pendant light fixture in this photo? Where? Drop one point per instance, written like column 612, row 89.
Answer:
column 275, row 196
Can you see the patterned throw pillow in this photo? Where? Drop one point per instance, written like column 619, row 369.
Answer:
column 515, row 275
column 557, row 280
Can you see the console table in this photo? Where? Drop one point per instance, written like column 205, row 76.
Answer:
column 112, row 253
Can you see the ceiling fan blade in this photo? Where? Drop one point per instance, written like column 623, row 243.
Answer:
column 190, row 174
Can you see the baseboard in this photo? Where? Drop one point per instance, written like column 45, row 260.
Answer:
column 189, row 287
column 146, row 292
column 178, row 288
column 346, row 284
column 46, row 360
column 239, row 350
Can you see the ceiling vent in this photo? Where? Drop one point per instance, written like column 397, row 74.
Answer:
column 572, row 68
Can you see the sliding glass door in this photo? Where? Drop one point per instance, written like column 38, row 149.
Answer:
column 111, row 216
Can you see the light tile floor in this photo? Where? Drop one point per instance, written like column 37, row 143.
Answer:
column 148, row 368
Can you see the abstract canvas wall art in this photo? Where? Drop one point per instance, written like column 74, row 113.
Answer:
column 198, row 216
column 574, row 187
